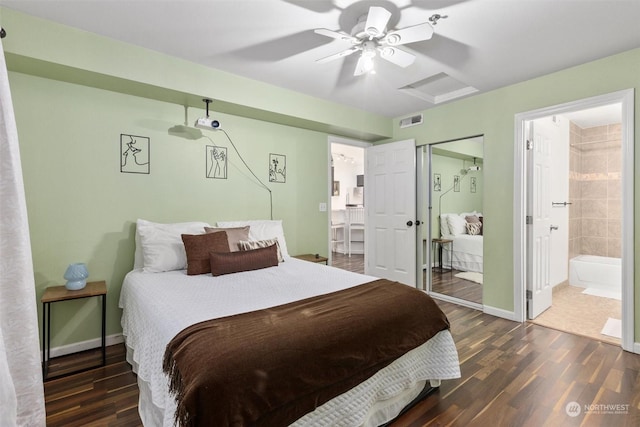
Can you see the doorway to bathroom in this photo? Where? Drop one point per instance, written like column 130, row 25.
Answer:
column 576, row 246
column 584, row 207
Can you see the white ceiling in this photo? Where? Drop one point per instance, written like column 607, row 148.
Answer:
column 484, row 44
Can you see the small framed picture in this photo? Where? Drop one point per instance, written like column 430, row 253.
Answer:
column 336, row 188
column 456, row 183
column 277, row 168
column 216, row 160
column 437, row 182
column 134, row 154
column 473, row 184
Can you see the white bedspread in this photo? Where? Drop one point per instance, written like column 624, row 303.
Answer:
column 467, row 252
column 156, row 306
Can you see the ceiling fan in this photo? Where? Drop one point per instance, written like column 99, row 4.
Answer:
column 370, row 37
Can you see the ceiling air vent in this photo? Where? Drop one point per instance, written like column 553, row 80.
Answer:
column 411, row 121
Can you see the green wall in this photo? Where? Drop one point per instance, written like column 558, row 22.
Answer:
column 83, row 209
column 492, row 114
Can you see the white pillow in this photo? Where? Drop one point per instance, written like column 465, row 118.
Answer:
column 262, row 230
column 457, row 224
column 161, row 245
column 444, row 225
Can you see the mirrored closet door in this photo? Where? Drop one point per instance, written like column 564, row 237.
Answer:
column 451, row 205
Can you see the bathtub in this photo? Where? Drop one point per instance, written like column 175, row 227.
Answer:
column 596, row 272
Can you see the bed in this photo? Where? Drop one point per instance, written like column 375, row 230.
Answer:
column 160, row 305
column 465, row 230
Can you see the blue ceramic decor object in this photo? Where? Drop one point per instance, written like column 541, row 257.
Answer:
column 76, row 276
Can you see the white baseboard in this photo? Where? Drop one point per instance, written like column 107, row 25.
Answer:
column 636, row 347
column 85, row 345
column 498, row 312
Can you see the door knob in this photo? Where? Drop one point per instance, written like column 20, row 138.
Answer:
column 553, row 227
column 418, row 222
column 409, row 223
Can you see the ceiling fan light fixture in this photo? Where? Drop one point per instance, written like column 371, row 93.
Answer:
column 368, row 64
column 371, row 37
column 369, row 49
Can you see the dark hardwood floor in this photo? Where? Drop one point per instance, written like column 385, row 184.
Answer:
column 447, row 283
column 105, row 396
column 513, row 374
column 352, row 263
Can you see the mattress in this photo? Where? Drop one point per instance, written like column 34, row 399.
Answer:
column 156, row 306
column 467, row 252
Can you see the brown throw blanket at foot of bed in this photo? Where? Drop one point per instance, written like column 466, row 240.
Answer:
column 270, row 367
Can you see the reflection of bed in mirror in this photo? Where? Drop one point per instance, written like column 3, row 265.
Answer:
column 465, row 230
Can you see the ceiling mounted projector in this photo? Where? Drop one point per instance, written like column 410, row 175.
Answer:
column 206, row 122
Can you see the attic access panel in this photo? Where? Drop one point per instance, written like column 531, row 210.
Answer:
column 438, row 88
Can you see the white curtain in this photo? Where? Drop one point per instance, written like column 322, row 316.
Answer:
column 21, row 388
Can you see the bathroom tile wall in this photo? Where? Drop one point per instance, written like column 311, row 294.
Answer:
column 595, row 191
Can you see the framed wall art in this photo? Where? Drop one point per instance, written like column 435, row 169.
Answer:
column 134, row 154
column 437, row 182
column 277, row 168
column 216, row 161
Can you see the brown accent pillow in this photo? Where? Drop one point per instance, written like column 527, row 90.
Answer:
column 198, row 246
column 235, row 262
column 234, row 235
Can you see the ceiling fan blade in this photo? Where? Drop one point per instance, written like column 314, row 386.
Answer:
column 335, row 34
column 397, row 56
column 361, row 66
column 337, row 55
column 377, row 20
column 415, row 33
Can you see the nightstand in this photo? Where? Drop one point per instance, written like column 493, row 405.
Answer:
column 60, row 293
column 437, row 245
column 313, row 258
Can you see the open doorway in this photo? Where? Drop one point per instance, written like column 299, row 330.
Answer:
column 550, row 228
column 585, row 214
column 347, row 218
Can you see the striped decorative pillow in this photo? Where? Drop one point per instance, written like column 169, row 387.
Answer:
column 246, row 245
column 474, row 228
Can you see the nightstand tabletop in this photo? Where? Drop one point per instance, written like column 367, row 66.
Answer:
column 60, row 293
column 312, row 258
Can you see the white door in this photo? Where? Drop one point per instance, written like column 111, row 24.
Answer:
column 539, row 289
column 390, row 200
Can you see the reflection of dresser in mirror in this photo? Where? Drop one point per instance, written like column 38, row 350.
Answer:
column 347, row 230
